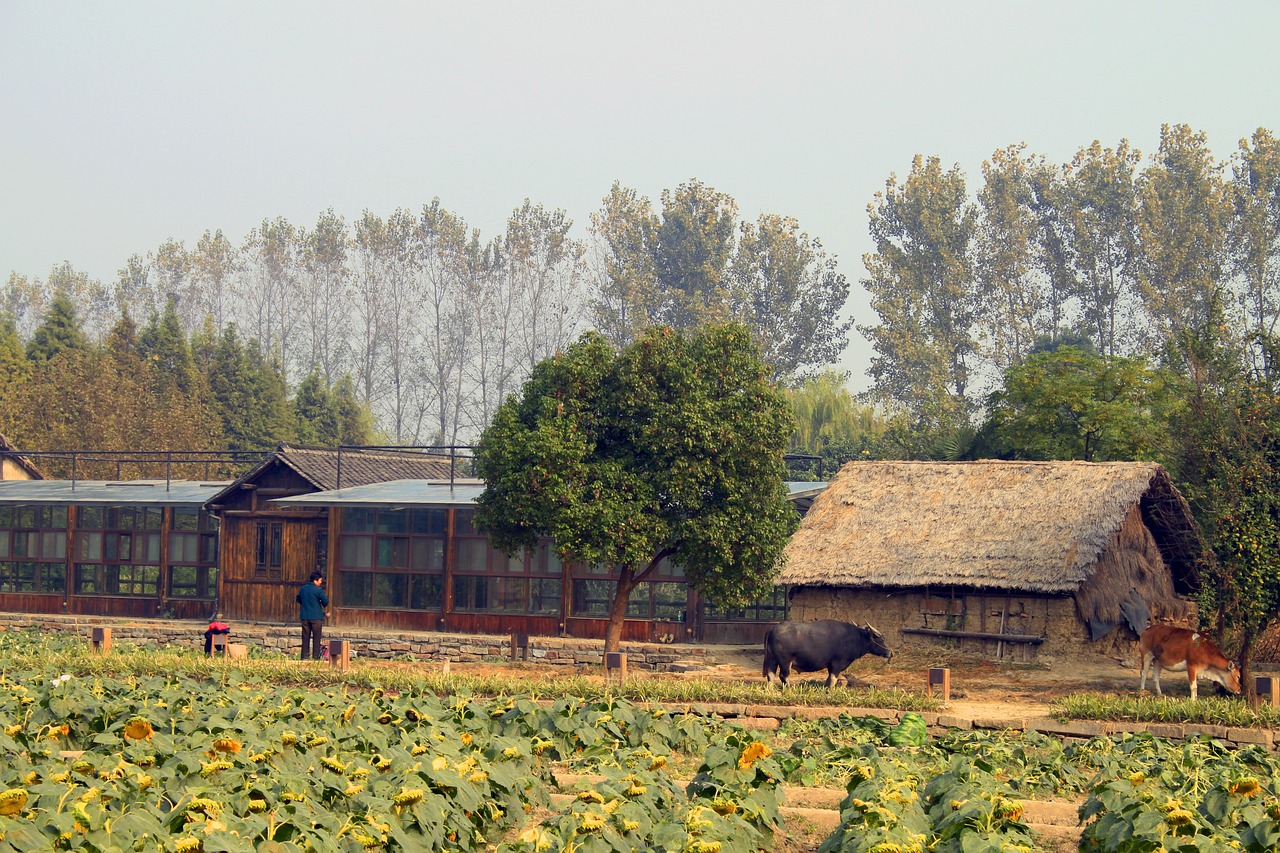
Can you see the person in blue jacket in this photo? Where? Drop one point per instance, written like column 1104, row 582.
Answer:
column 311, row 604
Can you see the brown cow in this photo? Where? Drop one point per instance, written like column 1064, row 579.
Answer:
column 1178, row 649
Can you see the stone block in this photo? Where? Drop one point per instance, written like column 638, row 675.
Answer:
column 1261, row 737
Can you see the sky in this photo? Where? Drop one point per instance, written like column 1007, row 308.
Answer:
column 125, row 124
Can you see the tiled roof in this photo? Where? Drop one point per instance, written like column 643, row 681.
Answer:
column 330, row 468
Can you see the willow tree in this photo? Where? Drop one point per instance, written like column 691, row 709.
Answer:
column 669, row 448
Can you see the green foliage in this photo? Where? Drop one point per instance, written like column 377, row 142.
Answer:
column 670, row 448
column 831, row 424
column 1073, row 404
column 923, row 289
column 684, row 268
column 59, row 331
column 165, row 349
column 316, row 412
column 249, row 394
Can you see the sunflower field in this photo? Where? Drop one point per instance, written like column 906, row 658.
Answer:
column 103, row 762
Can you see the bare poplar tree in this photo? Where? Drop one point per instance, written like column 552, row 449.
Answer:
column 323, row 288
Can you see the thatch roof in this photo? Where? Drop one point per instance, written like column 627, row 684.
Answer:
column 12, row 453
column 328, row 468
column 1018, row 526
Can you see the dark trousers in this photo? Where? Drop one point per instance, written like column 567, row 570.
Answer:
column 208, row 640
column 311, row 630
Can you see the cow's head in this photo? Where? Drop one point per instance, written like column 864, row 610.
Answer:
column 877, row 642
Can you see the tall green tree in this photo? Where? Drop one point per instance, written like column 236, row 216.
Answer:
column 790, row 293
column 923, row 288
column 316, row 412
column 164, row 346
column 1227, row 460
column 355, row 420
column 626, row 299
column 1255, row 246
column 671, row 448
column 1101, row 202
column 1071, row 403
column 1182, row 230
column 15, row 368
column 59, row 331
column 693, row 245
column 249, row 395
column 1022, row 280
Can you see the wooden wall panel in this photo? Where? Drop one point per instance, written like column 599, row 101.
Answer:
column 137, row 608
column 29, row 602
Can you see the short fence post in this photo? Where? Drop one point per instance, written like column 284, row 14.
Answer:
column 520, row 645
column 615, row 661
column 101, row 639
column 940, row 678
column 1266, row 691
column 340, row 654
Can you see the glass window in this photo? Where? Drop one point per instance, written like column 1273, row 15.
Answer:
column 186, row 519
column 670, row 602
column 464, row 522
column 90, row 546
column 183, row 548
column 357, row 520
column 87, row 579
column 357, row 552
column 426, row 592
column 277, row 545
column 184, row 581
column 427, row 554
column 388, row 590
column 430, row 522
column 470, row 592
column 91, row 518
column 473, row 555
column 26, row 543
column 53, row 544
column 546, row 561
column 6, row 516
column 592, row 597
column 393, row 521
column 357, row 589
column 393, row 553
column 4, row 544
column 544, row 595
column 53, row 577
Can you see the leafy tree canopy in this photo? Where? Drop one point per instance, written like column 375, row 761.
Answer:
column 1070, row 403
column 669, row 448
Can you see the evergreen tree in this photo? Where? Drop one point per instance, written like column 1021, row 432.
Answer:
column 15, row 369
column 122, row 340
column 316, row 412
column 355, row 420
column 165, row 349
column 249, row 395
column 59, row 331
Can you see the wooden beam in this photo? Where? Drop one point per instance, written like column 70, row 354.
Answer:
column 1032, row 639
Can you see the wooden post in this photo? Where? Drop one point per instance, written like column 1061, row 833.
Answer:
column 340, row 655
column 101, row 639
column 941, row 678
column 520, row 645
column 1266, row 691
column 615, row 661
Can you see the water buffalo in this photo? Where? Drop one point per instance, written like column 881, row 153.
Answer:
column 811, row 646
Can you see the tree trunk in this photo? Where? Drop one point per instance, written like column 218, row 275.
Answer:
column 618, row 612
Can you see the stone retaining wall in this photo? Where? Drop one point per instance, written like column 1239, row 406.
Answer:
column 383, row 645
column 940, row 723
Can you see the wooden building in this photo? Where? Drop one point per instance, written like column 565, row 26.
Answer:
column 14, row 465
column 1016, row 559
column 407, row 555
column 269, row 550
column 139, row 548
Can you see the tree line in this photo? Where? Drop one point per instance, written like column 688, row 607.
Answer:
column 429, row 326
column 1109, row 308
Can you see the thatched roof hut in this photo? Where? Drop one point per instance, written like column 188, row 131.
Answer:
column 1116, row 537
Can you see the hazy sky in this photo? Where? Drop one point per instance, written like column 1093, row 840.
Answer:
column 125, row 123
